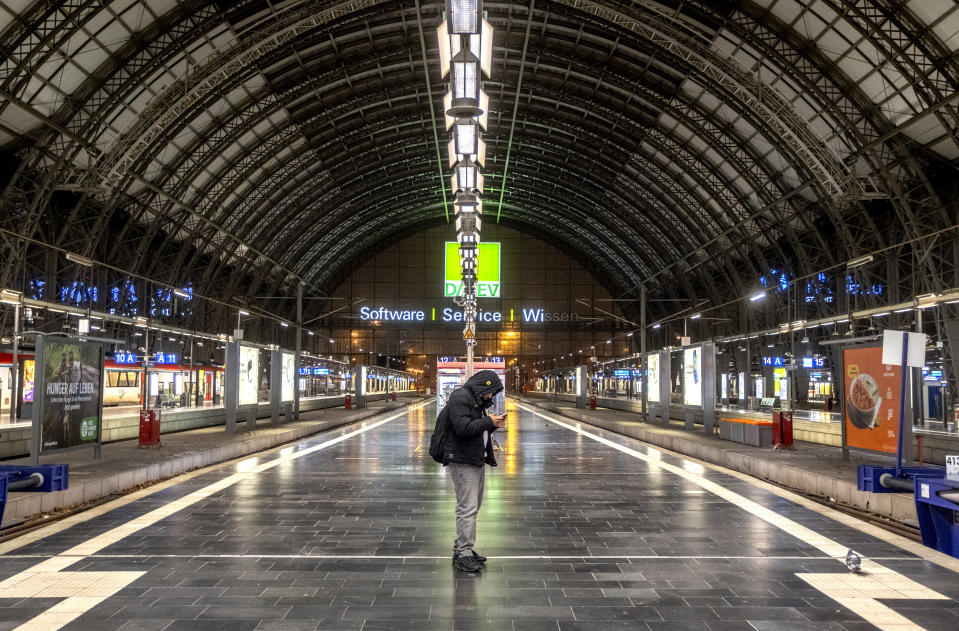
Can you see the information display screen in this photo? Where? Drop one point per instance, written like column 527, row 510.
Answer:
column 652, row 377
column 871, row 406
column 286, row 394
column 692, row 376
column 249, row 375
column 71, row 405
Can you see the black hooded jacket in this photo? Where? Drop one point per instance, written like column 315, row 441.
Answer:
column 468, row 420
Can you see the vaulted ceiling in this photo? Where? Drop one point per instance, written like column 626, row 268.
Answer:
column 685, row 146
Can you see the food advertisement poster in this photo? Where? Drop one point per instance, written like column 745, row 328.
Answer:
column 871, row 406
column 286, row 394
column 29, row 375
column 72, row 373
column 249, row 375
column 692, row 376
column 652, row 375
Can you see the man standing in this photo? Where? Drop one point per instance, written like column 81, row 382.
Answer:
column 468, row 448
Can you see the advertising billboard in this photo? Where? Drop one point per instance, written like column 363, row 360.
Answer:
column 487, row 271
column 871, row 405
column 652, row 375
column 70, row 396
column 286, row 392
column 692, row 376
column 29, row 376
column 249, row 375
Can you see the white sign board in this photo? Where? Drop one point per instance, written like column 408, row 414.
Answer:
column 952, row 467
column 892, row 342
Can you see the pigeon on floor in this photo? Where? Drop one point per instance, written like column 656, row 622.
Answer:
column 853, row 561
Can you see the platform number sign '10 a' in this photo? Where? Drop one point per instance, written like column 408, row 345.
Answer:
column 487, row 271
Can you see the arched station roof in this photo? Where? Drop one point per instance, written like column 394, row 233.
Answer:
column 686, row 146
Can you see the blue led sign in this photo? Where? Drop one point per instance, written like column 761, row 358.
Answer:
column 813, row 362
column 321, row 371
column 623, row 373
column 489, row 360
column 121, row 357
column 166, row 358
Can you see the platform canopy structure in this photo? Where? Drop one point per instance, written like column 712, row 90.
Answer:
column 705, row 150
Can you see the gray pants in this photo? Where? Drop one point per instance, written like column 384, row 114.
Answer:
column 468, row 482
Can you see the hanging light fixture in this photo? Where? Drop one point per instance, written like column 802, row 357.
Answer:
column 465, row 44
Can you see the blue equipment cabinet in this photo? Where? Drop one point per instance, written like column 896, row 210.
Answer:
column 937, row 506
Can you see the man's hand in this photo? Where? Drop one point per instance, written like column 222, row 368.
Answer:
column 499, row 420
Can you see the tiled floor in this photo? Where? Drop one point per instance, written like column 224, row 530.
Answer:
column 352, row 530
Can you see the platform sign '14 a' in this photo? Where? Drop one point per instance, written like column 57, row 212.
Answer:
column 487, row 271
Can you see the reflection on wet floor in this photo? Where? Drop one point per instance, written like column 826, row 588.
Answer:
column 584, row 529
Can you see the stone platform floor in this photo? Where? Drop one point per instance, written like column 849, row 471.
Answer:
column 585, row 529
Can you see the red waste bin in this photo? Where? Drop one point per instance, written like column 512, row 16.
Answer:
column 347, row 402
column 592, row 403
column 149, row 428
column 394, row 396
column 782, row 429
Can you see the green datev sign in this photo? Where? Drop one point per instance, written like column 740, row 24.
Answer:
column 487, row 271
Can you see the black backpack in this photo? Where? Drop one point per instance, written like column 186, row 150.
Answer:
column 438, row 439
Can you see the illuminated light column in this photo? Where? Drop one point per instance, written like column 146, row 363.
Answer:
column 466, row 43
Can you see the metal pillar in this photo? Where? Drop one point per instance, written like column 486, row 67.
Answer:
column 231, row 386
column 644, row 378
column 15, row 365
column 146, row 374
column 276, row 386
column 299, row 348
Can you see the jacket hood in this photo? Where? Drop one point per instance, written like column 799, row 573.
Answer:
column 484, row 382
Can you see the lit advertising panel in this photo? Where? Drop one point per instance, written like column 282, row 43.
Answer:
column 71, row 387
column 487, row 271
column 652, row 375
column 249, row 375
column 29, row 375
column 692, row 376
column 871, row 406
column 286, row 394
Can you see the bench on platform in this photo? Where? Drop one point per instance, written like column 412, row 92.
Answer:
column 168, row 400
column 748, row 431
